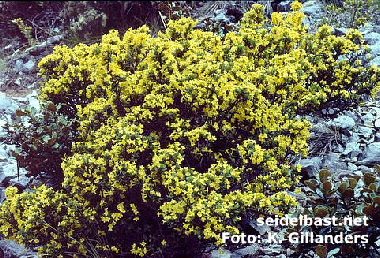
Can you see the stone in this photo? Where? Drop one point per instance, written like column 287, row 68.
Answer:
column 28, row 66
column 33, row 100
column 5, row 101
column 18, row 65
column 375, row 61
column 377, row 123
column 320, row 127
column 12, row 249
column 372, row 38
column 249, row 250
column 371, row 154
column 38, row 49
column 221, row 254
column 220, row 16
column 332, row 162
column 340, row 31
column 9, row 169
column 344, row 122
column 352, row 166
column 352, row 149
column 18, row 81
column 375, row 50
column 364, row 131
column 283, row 6
column 261, row 229
column 364, row 168
column 368, row 119
column 311, row 166
column 312, row 8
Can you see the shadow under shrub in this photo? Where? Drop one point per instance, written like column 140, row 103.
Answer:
column 182, row 134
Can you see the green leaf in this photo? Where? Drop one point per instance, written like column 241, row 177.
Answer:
column 376, row 199
column 21, row 113
column 359, row 209
column 352, row 182
column 45, row 138
column 321, row 251
column 327, row 187
column 369, row 178
column 342, row 187
column 51, row 107
column 369, row 210
column 311, row 184
column 323, row 175
column 377, row 168
column 321, row 211
column 348, row 193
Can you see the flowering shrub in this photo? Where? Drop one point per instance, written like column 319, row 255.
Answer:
column 181, row 134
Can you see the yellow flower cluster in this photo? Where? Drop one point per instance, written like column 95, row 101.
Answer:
column 187, row 131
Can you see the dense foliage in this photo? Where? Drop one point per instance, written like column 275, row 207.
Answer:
column 354, row 197
column 42, row 140
column 182, row 133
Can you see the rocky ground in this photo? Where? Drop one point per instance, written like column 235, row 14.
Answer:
column 348, row 142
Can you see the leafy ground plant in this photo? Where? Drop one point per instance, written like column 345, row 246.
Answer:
column 356, row 198
column 42, row 139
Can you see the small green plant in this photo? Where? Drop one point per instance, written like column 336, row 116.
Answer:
column 25, row 30
column 42, row 139
column 351, row 13
column 354, row 197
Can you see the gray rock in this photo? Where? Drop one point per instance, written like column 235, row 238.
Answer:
column 12, row 249
column 28, row 66
column 38, row 49
column 261, row 229
column 18, row 65
column 311, row 166
column 220, row 16
column 367, row 28
column 340, row 31
column 352, row 149
column 364, row 131
column 368, row 119
column 352, row 166
column 249, row 250
column 364, row 168
column 3, row 133
column 332, row 162
column 221, row 254
column 312, row 8
column 320, row 127
column 344, row 122
column 377, row 123
column 375, row 61
column 33, row 100
column 284, row 6
column 377, row 137
column 372, row 38
column 9, row 169
column 5, row 101
column 375, row 50
column 371, row 154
